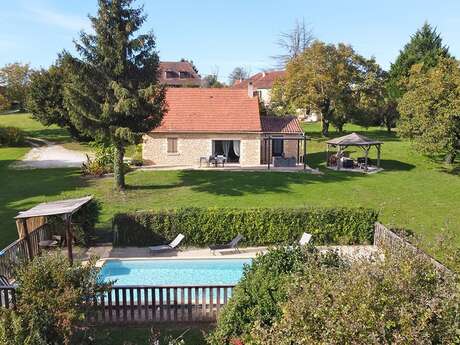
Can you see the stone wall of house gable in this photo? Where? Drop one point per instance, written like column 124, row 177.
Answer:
column 191, row 147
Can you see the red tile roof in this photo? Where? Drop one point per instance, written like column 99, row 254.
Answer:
column 262, row 80
column 281, row 124
column 210, row 110
column 179, row 66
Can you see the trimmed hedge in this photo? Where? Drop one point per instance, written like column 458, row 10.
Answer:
column 259, row 226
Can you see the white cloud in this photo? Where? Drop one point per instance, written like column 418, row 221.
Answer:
column 64, row 21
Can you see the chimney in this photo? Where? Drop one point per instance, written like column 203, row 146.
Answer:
column 250, row 89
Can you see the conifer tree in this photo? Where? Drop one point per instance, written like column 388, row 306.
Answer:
column 425, row 47
column 113, row 93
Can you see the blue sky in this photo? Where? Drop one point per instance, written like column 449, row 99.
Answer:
column 218, row 34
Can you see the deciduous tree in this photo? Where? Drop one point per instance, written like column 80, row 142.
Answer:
column 14, row 78
column 325, row 78
column 294, row 42
column 430, row 109
column 113, row 94
column 238, row 73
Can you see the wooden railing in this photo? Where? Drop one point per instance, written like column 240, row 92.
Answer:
column 131, row 304
column 7, row 297
column 18, row 251
column 134, row 304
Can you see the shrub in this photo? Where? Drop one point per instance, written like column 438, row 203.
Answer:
column 49, row 305
column 260, row 226
column 102, row 163
column 399, row 300
column 11, row 136
column 258, row 296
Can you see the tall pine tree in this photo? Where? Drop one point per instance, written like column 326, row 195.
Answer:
column 113, row 93
column 425, row 47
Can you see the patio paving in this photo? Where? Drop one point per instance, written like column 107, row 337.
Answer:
column 109, row 252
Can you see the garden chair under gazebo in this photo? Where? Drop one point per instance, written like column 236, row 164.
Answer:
column 338, row 160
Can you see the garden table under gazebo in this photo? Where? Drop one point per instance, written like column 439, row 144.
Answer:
column 356, row 140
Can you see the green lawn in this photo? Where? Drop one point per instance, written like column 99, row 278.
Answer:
column 412, row 192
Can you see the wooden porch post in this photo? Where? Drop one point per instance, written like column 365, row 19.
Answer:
column 304, row 152
column 298, row 151
column 269, row 151
column 27, row 238
column 69, row 238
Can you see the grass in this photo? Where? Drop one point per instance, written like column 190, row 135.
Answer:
column 140, row 335
column 412, row 192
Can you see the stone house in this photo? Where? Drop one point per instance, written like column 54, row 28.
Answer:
column 201, row 123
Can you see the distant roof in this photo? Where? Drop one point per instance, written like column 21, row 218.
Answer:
column 353, row 139
column 262, row 80
column 55, row 208
column 177, row 67
column 281, row 124
column 210, row 110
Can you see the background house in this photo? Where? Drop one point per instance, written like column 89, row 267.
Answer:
column 203, row 122
column 179, row 74
column 262, row 82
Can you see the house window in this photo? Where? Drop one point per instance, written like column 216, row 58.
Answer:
column 172, row 145
column 185, row 75
column 171, row 75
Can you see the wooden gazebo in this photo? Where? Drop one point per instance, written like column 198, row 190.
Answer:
column 28, row 221
column 353, row 139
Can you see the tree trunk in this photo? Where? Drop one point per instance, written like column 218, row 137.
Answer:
column 450, row 158
column 340, row 128
column 325, row 127
column 118, row 168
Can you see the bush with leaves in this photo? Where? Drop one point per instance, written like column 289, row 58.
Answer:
column 258, row 296
column 11, row 136
column 402, row 299
column 102, row 163
column 50, row 299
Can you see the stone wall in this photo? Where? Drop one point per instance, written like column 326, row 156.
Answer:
column 192, row 146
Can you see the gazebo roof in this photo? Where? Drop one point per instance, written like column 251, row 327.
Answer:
column 68, row 206
column 353, row 139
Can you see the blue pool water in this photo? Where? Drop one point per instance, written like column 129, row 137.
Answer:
column 174, row 272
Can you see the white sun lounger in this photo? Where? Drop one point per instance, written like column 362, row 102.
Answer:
column 305, row 239
column 166, row 247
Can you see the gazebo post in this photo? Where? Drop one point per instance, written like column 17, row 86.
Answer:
column 338, row 157
column 378, row 155
column 366, row 154
column 69, row 237
column 27, row 238
column 327, row 154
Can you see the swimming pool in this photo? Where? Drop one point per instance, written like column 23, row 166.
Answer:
column 174, row 272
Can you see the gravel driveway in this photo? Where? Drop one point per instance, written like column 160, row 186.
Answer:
column 50, row 155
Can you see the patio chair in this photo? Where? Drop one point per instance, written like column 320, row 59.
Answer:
column 305, row 239
column 232, row 245
column 167, row 247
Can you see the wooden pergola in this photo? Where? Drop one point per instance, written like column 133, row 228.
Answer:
column 357, row 140
column 37, row 214
column 301, row 141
